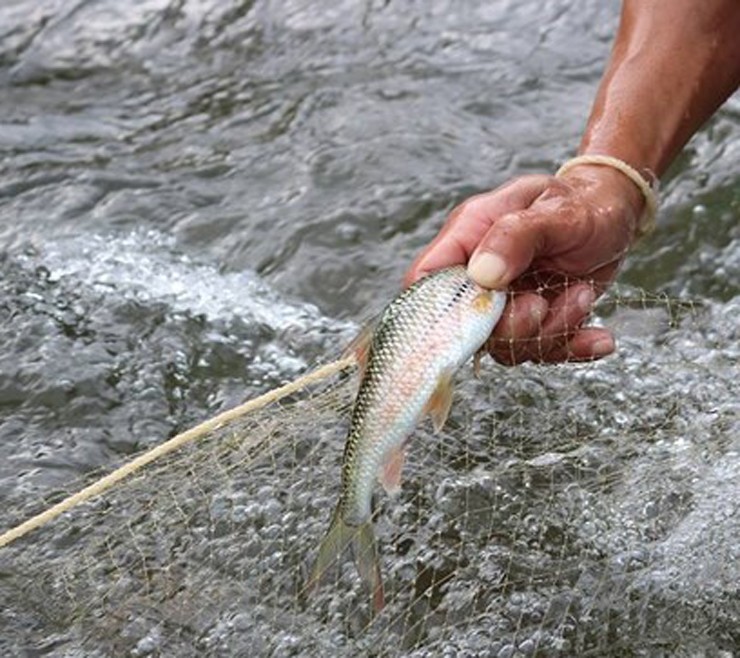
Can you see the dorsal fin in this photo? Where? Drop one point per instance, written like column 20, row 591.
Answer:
column 359, row 347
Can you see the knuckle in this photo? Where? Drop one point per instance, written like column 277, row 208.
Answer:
column 474, row 205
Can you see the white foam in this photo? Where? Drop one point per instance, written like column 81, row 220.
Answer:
column 145, row 266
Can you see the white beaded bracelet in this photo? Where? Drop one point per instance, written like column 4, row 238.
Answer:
column 646, row 223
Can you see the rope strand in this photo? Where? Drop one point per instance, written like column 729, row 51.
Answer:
column 175, row 443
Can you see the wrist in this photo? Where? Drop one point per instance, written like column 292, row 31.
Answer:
column 645, row 182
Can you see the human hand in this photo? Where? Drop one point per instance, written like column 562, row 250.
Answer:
column 556, row 244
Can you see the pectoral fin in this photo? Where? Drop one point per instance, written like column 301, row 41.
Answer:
column 390, row 472
column 439, row 404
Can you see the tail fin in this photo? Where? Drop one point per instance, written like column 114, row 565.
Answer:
column 362, row 541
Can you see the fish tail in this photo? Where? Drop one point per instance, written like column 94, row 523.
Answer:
column 365, row 552
column 361, row 539
column 335, row 542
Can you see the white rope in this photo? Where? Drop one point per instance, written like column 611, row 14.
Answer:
column 646, row 223
column 175, row 443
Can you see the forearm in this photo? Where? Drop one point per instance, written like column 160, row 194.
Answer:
column 673, row 64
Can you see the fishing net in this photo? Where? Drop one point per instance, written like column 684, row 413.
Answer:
column 563, row 510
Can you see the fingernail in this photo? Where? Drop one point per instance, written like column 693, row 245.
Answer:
column 585, row 300
column 487, row 269
column 602, row 347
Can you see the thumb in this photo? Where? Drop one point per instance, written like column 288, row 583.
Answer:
column 507, row 250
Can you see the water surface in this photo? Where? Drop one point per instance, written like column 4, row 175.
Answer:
column 198, row 200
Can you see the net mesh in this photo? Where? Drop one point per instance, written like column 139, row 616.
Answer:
column 587, row 509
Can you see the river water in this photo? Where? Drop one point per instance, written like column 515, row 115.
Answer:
column 201, row 198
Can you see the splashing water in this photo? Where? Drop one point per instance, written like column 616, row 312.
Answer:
column 201, row 200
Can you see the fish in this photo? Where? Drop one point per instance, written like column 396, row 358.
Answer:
column 407, row 362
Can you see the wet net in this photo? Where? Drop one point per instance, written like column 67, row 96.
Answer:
column 562, row 511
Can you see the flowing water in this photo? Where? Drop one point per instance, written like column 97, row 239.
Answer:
column 199, row 199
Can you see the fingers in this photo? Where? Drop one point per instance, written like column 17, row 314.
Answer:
column 521, row 321
column 540, row 237
column 533, row 329
column 572, row 226
column 552, row 227
column 469, row 222
column 568, row 310
column 506, row 251
column 585, row 345
column 522, row 317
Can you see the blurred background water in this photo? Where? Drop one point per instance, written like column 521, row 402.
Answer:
column 200, row 198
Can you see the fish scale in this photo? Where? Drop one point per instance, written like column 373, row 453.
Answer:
column 422, row 337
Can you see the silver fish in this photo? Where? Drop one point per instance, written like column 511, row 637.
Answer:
column 421, row 339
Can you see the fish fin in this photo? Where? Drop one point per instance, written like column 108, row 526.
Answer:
column 336, row 540
column 477, row 359
column 361, row 539
column 390, row 472
column 359, row 347
column 440, row 402
column 367, row 561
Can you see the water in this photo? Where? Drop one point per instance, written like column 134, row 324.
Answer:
column 199, row 199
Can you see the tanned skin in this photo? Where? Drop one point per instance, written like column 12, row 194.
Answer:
column 558, row 242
